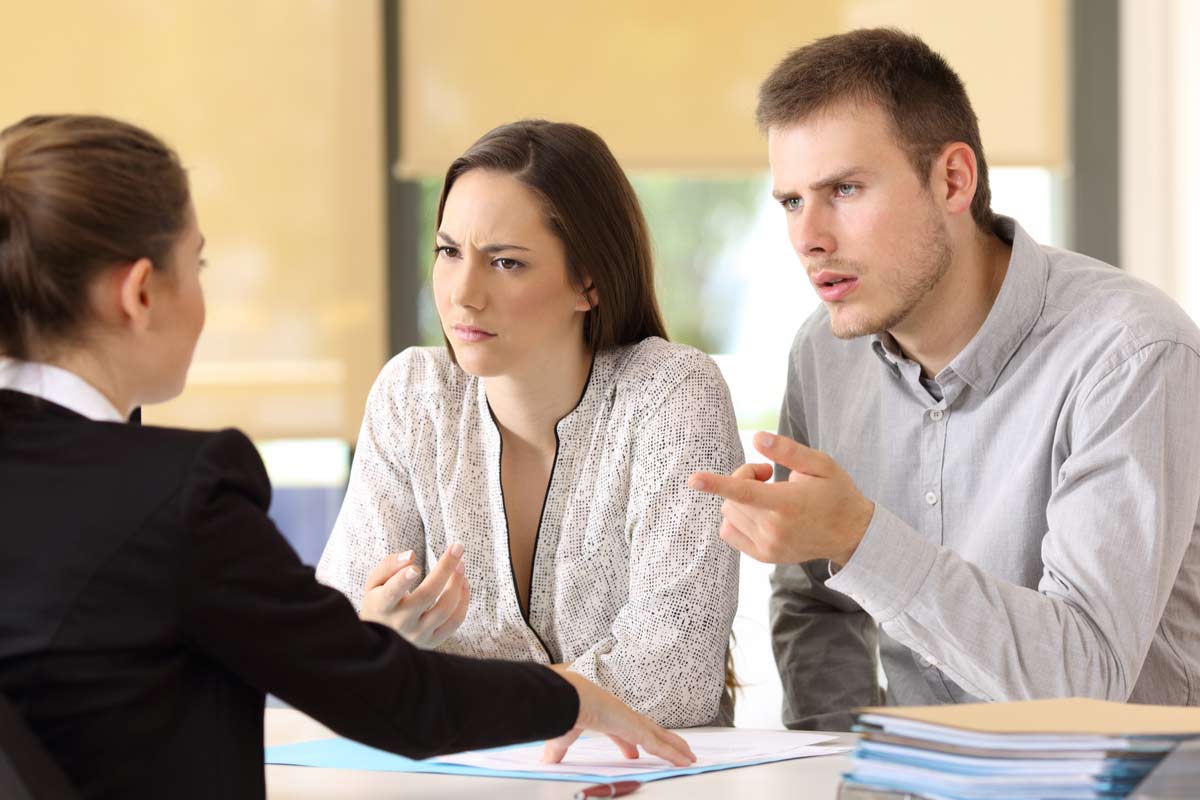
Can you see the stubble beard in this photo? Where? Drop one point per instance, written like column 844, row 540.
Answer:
column 910, row 287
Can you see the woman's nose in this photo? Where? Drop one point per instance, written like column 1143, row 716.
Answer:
column 469, row 288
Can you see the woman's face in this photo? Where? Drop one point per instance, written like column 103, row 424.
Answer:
column 500, row 280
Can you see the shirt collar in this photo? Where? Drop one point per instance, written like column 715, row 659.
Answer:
column 1012, row 316
column 58, row 386
column 1017, row 309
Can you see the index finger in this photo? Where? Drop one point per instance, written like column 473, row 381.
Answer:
column 669, row 746
column 555, row 749
column 389, row 566
column 425, row 595
column 741, row 490
column 793, row 455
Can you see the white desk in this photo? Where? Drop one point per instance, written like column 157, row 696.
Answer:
column 815, row 778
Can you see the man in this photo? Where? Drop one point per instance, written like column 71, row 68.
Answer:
column 988, row 467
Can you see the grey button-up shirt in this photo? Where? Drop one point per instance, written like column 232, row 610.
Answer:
column 1034, row 529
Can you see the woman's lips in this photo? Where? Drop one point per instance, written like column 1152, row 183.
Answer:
column 467, row 333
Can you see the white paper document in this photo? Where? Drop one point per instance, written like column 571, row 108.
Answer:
column 597, row 755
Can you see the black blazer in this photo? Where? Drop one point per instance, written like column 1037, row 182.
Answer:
column 147, row 603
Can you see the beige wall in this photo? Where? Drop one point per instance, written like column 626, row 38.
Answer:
column 275, row 108
column 671, row 84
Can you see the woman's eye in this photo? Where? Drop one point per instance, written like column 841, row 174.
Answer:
column 445, row 250
column 507, row 264
column 845, row 189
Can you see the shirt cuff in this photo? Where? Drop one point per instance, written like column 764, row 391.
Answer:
column 888, row 568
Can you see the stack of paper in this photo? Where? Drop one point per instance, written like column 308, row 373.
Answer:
column 1045, row 749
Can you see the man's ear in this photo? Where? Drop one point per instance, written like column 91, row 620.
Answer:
column 588, row 299
column 134, row 293
column 956, row 176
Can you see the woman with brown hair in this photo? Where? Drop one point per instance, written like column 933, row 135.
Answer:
column 545, row 451
column 147, row 601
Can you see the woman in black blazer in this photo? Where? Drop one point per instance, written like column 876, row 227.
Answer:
column 147, row 603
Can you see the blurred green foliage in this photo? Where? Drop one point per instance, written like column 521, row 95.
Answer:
column 694, row 223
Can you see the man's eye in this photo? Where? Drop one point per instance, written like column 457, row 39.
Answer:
column 845, row 189
column 792, row 204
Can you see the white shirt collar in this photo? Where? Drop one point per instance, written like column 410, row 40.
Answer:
column 59, row 386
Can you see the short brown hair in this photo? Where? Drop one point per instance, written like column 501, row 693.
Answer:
column 922, row 95
column 591, row 207
column 78, row 194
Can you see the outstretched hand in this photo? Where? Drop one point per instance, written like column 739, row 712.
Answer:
column 817, row 513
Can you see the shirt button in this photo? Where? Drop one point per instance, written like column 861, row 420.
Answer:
column 936, row 414
column 931, row 498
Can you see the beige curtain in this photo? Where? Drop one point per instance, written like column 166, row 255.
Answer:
column 671, row 84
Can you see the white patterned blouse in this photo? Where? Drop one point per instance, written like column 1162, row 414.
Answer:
column 631, row 584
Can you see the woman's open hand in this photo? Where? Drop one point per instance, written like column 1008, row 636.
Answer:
column 425, row 615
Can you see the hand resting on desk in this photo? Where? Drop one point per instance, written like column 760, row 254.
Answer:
column 600, row 710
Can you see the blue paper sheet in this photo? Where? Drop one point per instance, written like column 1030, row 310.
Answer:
column 339, row 753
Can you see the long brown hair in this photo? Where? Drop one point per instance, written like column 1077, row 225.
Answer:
column 593, row 210
column 78, row 194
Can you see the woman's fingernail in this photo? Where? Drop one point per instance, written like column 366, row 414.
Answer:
column 461, row 568
column 456, row 550
column 405, row 556
column 411, row 573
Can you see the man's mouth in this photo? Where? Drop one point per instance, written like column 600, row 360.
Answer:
column 832, row 287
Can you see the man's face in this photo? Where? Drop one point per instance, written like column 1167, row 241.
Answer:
column 868, row 231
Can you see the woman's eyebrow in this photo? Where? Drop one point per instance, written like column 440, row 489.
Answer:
column 496, row 248
column 487, row 248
